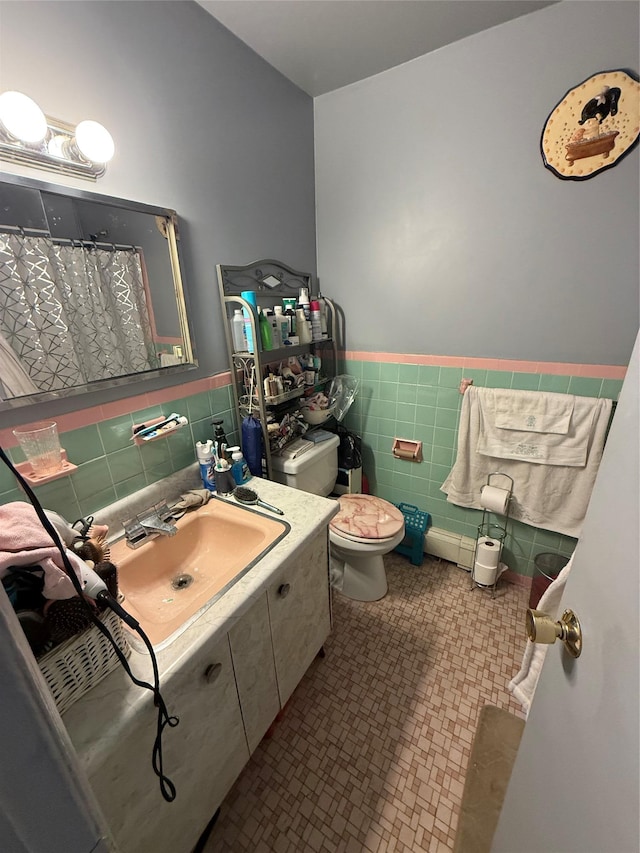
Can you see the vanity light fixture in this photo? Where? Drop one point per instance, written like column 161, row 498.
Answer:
column 29, row 137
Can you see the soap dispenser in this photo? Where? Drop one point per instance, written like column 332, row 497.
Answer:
column 239, row 467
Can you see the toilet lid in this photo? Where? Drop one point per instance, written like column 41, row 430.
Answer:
column 367, row 518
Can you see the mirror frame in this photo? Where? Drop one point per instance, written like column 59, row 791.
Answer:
column 171, row 232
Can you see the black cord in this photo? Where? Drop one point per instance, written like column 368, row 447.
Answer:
column 167, row 788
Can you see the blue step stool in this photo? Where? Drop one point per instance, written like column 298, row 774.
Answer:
column 415, row 525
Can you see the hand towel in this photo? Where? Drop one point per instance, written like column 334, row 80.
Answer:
column 541, row 448
column 552, row 497
column 531, row 411
column 25, row 542
column 523, row 685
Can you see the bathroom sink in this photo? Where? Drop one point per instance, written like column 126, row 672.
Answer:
column 169, row 579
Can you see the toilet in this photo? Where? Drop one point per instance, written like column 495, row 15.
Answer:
column 365, row 528
column 307, row 466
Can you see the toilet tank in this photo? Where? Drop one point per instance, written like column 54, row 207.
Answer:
column 313, row 471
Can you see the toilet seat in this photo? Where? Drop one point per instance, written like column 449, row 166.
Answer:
column 366, row 518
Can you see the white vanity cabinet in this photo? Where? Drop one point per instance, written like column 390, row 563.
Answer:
column 300, row 614
column 245, row 659
column 202, row 756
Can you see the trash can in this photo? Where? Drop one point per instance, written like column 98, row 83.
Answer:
column 547, row 567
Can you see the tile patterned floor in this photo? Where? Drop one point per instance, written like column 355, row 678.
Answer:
column 371, row 754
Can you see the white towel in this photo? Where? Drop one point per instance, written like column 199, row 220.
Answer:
column 539, row 447
column 552, row 497
column 523, row 685
column 531, row 411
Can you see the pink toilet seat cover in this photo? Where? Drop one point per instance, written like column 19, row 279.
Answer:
column 365, row 517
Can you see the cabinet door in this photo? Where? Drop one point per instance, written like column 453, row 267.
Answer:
column 253, row 664
column 299, row 611
column 202, row 756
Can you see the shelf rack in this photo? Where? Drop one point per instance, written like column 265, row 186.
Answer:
column 283, row 282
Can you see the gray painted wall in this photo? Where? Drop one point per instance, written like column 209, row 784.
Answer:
column 439, row 229
column 201, row 124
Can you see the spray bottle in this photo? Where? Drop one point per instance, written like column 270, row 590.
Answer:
column 204, row 452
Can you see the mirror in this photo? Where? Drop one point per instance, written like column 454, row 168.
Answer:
column 91, row 292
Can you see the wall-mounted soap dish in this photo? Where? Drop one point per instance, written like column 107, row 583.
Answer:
column 407, row 448
column 33, row 479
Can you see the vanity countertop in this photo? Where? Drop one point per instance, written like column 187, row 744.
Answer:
column 95, row 721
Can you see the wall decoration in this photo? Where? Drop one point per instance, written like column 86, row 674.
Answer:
column 593, row 126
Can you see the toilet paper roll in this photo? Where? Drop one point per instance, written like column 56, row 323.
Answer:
column 488, row 551
column 484, row 575
column 494, row 499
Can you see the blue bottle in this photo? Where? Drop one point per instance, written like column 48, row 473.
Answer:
column 250, row 297
column 239, row 468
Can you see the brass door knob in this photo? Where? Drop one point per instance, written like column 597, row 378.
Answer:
column 542, row 629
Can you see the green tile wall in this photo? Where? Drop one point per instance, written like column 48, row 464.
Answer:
column 404, row 400
column 111, row 466
column 423, row 402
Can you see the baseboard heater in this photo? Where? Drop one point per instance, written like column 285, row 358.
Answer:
column 454, row 547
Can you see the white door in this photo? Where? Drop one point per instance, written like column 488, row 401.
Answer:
column 575, row 780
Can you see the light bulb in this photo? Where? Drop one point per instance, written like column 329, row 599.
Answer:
column 22, row 117
column 94, row 142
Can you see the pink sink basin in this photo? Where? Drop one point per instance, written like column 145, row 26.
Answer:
column 169, row 579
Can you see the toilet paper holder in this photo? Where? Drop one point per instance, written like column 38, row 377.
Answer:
column 407, row 448
column 485, row 575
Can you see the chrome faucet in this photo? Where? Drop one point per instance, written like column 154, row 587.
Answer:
column 154, row 522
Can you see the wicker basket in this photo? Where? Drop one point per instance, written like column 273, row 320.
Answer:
column 77, row 665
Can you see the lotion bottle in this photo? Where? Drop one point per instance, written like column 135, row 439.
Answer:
column 323, row 317
column 238, row 332
column 303, row 302
column 283, row 324
column 276, row 332
column 303, row 327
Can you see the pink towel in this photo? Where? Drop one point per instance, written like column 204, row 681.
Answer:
column 25, row 542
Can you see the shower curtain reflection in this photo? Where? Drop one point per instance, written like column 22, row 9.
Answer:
column 71, row 312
